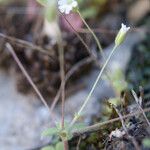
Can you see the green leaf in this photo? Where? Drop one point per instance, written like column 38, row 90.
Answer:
column 59, row 146
column 146, row 142
column 50, row 132
column 48, row 148
column 43, row 2
column 78, row 126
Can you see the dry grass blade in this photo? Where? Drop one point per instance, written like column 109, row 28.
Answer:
column 126, row 130
column 138, row 101
column 11, row 50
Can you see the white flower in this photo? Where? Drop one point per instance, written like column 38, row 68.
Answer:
column 65, row 6
column 124, row 29
column 121, row 34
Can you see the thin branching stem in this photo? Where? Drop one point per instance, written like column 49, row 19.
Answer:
column 91, row 31
column 75, row 68
column 81, row 39
column 93, row 87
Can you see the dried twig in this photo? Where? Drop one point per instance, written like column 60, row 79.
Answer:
column 137, row 100
column 125, row 129
column 67, row 77
column 23, row 43
column 11, row 50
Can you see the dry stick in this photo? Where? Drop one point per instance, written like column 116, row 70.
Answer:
column 23, row 43
column 11, row 50
column 126, row 130
column 137, row 102
column 96, row 127
column 67, row 77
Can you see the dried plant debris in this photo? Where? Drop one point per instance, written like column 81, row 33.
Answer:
column 43, row 69
column 112, row 135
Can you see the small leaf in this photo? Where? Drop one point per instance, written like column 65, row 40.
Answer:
column 48, row 148
column 78, row 126
column 146, row 142
column 59, row 146
column 50, row 132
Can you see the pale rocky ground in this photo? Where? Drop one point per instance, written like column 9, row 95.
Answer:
column 23, row 118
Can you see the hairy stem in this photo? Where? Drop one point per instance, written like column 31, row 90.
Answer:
column 93, row 87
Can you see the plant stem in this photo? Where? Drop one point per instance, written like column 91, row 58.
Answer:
column 95, row 37
column 65, row 143
column 62, row 74
column 11, row 50
column 22, row 43
column 93, row 87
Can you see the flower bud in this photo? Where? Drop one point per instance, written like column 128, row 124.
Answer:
column 121, row 34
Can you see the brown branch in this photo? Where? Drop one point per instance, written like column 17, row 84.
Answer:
column 23, row 43
column 11, row 50
column 137, row 100
column 126, row 130
column 67, row 77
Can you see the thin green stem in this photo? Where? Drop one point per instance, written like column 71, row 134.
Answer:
column 62, row 75
column 95, row 37
column 93, row 87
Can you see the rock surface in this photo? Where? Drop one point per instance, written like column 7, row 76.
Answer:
column 22, row 118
